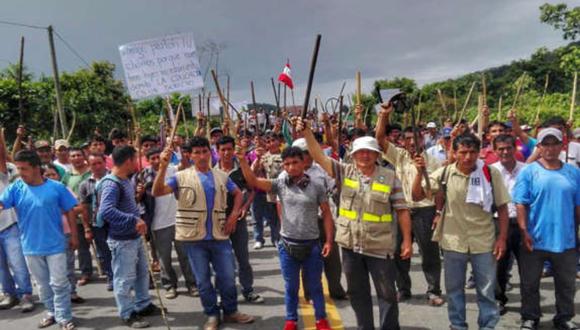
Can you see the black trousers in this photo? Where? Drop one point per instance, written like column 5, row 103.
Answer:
column 357, row 268
column 422, row 221
column 564, row 265
column 503, row 265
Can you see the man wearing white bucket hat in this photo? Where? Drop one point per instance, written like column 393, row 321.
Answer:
column 365, row 230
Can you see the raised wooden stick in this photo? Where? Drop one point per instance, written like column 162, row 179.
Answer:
column 466, row 103
column 483, row 89
column 499, row 108
column 311, row 75
column 546, row 82
column 519, row 90
column 443, row 105
column 220, row 94
column 358, row 88
column 573, row 101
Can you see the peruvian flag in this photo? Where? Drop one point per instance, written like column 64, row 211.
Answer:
column 286, row 77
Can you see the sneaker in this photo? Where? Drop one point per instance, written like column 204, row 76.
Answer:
column 238, row 317
column 322, row 324
column 136, row 322
column 171, row 293
column 109, row 285
column 8, row 302
column 193, row 291
column 212, row 323
column 290, row 325
column 84, row 280
column 76, row 299
column 254, row 298
column 26, row 304
column 529, row 325
column 401, row 296
column 566, row 326
column 68, row 325
column 258, row 245
column 470, row 283
column 150, row 310
column 436, row 300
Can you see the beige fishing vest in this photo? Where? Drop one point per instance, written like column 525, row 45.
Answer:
column 365, row 220
column 191, row 216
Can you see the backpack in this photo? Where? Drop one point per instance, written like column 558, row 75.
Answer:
column 96, row 201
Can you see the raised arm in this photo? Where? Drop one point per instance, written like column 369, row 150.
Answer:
column 518, row 132
column 251, row 178
column 3, row 153
column 160, row 188
column 382, row 123
column 314, row 148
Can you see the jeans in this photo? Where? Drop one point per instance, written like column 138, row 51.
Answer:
column 103, row 251
column 332, row 269
column 17, row 283
column 484, row 271
column 70, row 266
column 357, row 268
column 263, row 210
column 503, row 264
column 239, row 240
column 164, row 240
column 50, row 274
column 84, row 253
column 219, row 254
column 129, row 273
column 312, row 269
column 564, row 267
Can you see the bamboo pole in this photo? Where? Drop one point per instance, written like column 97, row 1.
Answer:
column 480, row 105
column 462, row 114
column 358, row 88
column 484, row 90
column 573, row 101
column 519, row 90
column 454, row 103
column 546, row 82
column 499, row 108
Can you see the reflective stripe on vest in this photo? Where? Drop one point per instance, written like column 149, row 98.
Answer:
column 351, row 215
column 351, row 183
column 381, row 187
column 376, row 218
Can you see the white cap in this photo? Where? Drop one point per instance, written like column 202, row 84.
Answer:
column 300, row 143
column 365, row 143
column 431, row 125
column 550, row 131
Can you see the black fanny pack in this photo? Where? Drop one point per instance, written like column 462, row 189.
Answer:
column 298, row 250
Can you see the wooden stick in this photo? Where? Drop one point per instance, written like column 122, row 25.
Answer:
column 466, row 102
column 546, row 82
column 185, row 124
column 339, row 137
column 443, row 105
column 207, row 123
column 484, row 89
column 276, row 99
column 220, row 94
column 454, row 103
column 418, row 119
column 480, row 105
column 573, row 101
column 19, row 80
column 519, row 90
column 339, row 95
column 358, row 88
column 499, row 108
column 311, row 75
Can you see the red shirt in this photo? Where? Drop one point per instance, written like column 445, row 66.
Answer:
column 489, row 157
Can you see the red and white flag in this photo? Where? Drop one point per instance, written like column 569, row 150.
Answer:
column 286, row 76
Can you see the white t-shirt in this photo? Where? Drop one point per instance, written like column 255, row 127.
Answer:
column 509, row 179
column 573, row 154
column 165, row 206
column 7, row 217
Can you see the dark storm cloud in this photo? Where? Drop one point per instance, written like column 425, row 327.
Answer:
column 424, row 40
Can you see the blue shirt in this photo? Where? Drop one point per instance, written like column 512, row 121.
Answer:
column 208, row 184
column 551, row 196
column 39, row 210
column 119, row 209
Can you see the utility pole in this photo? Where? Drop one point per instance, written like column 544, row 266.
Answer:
column 59, row 105
column 19, row 77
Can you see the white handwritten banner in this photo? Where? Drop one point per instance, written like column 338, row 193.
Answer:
column 161, row 66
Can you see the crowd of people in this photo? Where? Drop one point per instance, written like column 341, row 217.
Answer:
column 346, row 201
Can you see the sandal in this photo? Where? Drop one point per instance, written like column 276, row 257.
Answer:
column 46, row 322
column 68, row 325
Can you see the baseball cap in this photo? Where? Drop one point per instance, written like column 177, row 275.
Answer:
column 431, row 125
column 526, row 127
column 215, row 130
column 300, row 143
column 550, row 131
column 365, row 143
column 61, row 143
column 41, row 144
column 577, row 133
column 447, row 132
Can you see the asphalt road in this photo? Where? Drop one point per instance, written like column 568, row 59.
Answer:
column 100, row 312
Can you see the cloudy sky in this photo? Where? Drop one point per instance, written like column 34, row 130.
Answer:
column 421, row 39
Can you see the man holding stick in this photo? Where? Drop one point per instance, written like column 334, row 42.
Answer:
column 369, row 196
column 202, row 225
